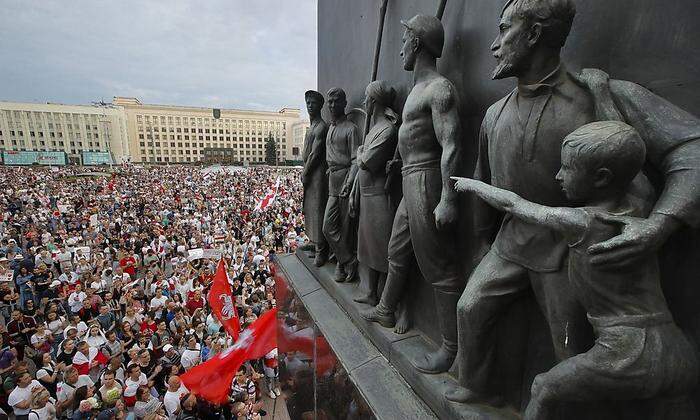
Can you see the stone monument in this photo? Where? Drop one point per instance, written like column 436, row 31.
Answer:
column 423, row 230
column 315, row 177
column 519, row 150
column 342, row 141
column 369, row 197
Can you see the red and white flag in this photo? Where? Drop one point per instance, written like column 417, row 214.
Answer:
column 212, row 379
column 269, row 198
column 221, row 301
column 83, row 363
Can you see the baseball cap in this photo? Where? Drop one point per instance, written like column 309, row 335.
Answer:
column 167, row 348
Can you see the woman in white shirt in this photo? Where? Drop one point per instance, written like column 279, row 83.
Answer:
column 42, row 408
column 41, row 340
column 55, row 323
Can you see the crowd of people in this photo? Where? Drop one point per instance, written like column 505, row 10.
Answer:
column 104, row 280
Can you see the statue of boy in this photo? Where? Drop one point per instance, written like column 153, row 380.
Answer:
column 639, row 352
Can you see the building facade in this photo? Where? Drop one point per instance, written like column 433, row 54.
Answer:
column 87, row 134
column 299, row 130
column 163, row 133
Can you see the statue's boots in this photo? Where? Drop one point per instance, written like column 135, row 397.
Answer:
column 308, row 247
column 383, row 313
column 466, row 396
column 351, row 269
column 441, row 360
column 339, row 275
column 321, row 255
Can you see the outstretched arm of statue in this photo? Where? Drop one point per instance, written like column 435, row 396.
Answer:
column 445, row 113
column 569, row 221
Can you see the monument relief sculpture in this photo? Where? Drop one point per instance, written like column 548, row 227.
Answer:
column 376, row 214
column 520, row 150
column 429, row 143
column 342, row 141
column 639, row 353
column 315, row 177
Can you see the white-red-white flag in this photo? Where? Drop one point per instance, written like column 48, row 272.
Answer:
column 269, row 198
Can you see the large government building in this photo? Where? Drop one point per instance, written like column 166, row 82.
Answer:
column 164, row 133
column 129, row 131
column 299, row 130
column 59, row 134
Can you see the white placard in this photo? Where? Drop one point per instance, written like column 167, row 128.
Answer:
column 199, row 253
column 85, row 249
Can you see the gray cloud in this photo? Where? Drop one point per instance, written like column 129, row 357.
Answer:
column 251, row 54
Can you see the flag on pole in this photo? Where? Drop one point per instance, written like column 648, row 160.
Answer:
column 221, row 301
column 212, row 379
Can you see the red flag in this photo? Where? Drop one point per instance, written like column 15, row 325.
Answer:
column 212, row 379
column 221, row 302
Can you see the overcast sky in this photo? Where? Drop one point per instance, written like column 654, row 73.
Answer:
column 250, row 54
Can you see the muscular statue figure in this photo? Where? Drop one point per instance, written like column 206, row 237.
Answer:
column 342, row 142
column 314, row 177
column 376, row 213
column 424, row 225
column 639, row 353
column 519, row 150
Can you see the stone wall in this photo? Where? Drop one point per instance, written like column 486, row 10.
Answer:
column 650, row 42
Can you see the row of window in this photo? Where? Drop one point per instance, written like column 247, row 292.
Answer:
column 277, row 132
column 207, row 138
column 145, row 152
column 51, row 134
column 201, row 145
column 206, row 121
column 53, row 143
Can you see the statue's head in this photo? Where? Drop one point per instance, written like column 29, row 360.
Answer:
column 527, row 25
column 314, row 102
column 423, row 33
column 380, row 92
column 599, row 161
column 336, row 102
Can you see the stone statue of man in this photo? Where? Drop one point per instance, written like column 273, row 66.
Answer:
column 519, row 150
column 342, row 141
column 430, row 146
column 314, row 176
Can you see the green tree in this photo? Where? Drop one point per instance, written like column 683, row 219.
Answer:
column 270, row 150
